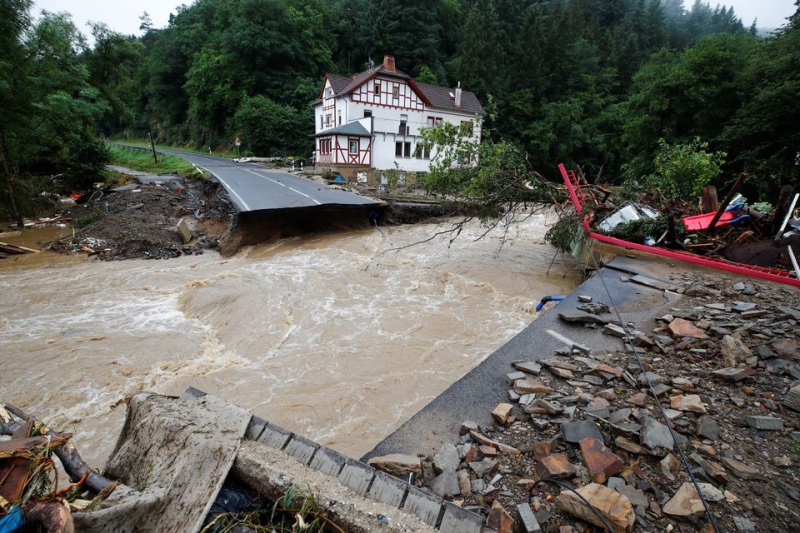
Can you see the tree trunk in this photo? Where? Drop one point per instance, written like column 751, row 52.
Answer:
column 7, row 167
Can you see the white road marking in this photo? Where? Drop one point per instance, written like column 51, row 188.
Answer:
column 230, row 189
column 284, row 185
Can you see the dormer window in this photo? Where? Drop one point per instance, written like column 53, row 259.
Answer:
column 328, row 92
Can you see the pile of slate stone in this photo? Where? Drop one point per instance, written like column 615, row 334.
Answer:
column 725, row 369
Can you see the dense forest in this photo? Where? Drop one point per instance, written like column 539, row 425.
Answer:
column 596, row 83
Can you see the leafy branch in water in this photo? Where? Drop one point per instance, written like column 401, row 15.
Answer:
column 491, row 181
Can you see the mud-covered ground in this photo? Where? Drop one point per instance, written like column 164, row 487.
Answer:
column 141, row 223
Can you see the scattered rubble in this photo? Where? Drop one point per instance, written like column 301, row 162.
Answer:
column 150, row 221
column 724, row 366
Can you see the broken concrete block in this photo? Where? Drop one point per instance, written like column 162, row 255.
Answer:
column 528, row 519
column 768, row 423
column 613, row 506
column 396, row 464
column 184, row 231
column 556, row 466
column 685, row 503
column 600, row 461
column 502, row 412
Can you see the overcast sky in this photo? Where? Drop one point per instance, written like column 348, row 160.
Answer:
column 123, row 15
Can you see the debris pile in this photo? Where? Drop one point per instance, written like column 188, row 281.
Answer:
column 149, row 221
column 711, row 389
column 29, row 494
column 761, row 236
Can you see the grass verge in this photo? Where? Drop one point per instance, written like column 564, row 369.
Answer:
column 143, row 161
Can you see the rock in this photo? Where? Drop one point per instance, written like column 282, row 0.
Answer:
column 556, row 466
column 184, row 231
column 600, row 461
column 619, row 416
column 783, row 461
column 529, row 386
column 614, row 330
column 683, row 384
column 685, row 503
column 502, row 412
column 580, row 317
column 688, row 402
column 552, row 408
column 478, row 486
column 482, row 439
column 730, row 374
column 511, row 377
column 499, row 519
column 528, row 367
column 794, row 314
column 612, row 505
column 767, row 423
column 446, row 484
column 446, row 459
column 743, row 525
column 656, row 436
column 584, row 298
column 741, row 470
column 467, row 426
column 528, row 519
column 755, row 313
column 712, row 470
column 630, row 446
column 741, row 307
column 488, row 451
column 733, row 350
column 792, row 398
column 787, row 348
column 708, row 428
column 711, row 493
column 464, row 483
column 652, row 377
column 669, row 465
column 541, row 449
column 575, row 432
column 680, row 328
column 561, row 372
column 638, row 399
column 636, row 497
column 397, row 464
column 481, row 468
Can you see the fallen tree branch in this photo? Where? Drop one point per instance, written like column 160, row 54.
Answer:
column 74, row 466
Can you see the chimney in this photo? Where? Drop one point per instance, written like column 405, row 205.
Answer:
column 388, row 63
column 458, row 95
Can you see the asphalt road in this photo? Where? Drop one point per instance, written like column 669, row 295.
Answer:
column 254, row 188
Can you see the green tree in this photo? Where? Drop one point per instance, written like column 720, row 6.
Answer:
column 268, row 128
column 682, row 170
column 49, row 109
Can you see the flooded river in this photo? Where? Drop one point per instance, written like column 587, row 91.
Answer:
column 340, row 338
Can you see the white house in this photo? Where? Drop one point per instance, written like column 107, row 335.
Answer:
column 372, row 121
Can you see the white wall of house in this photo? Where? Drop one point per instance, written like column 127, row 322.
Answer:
column 397, row 117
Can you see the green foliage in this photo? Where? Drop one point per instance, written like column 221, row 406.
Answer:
column 564, row 233
column 682, row 170
column 142, row 160
column 494, row 178
column 268, row 128
column 637, row 230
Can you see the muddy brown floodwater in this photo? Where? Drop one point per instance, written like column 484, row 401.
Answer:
column 334, row 337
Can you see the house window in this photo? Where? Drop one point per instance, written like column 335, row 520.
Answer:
column 407, row 149
column 324, row 146
column 403, row 128
column 367, row 113
column 396, row 92
column 321, row 122
column 340, row 118
column 353, row 146
column 466, row 128
column 328, row 119
column 398, row 149
column 463, row 158
column 328, row 92
column 422, row 151
column 377, row 89
column 432, row 121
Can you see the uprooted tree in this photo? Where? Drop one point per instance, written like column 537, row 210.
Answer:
column 491, row 181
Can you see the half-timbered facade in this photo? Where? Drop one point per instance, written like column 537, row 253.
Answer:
column 373, row 120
